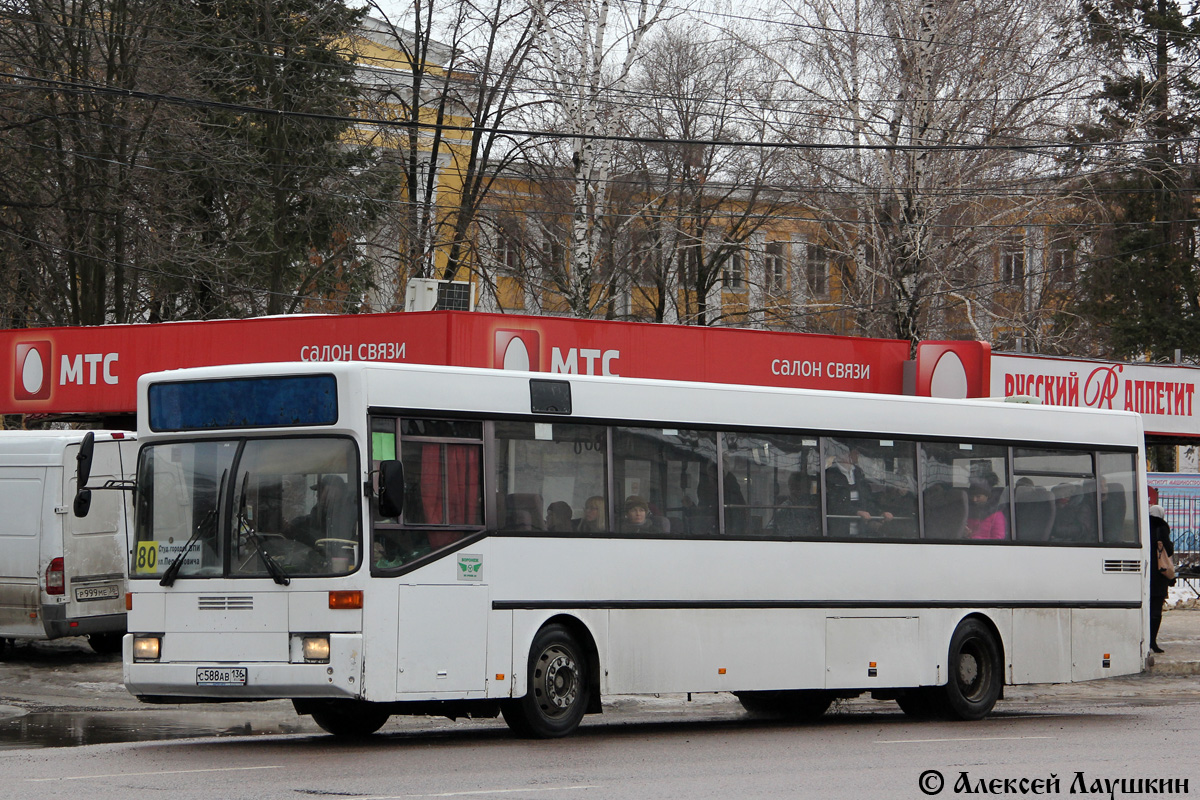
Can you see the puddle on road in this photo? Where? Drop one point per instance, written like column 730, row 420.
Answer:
column 74, row 729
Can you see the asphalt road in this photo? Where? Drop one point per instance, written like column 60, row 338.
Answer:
column 654, row 750
column 70, row 731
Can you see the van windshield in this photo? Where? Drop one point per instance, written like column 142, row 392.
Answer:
column 248, row 508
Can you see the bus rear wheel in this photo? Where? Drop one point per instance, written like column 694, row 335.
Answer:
column 796, row 705
column 976, row 672
column 349, row 719
column 556, row 696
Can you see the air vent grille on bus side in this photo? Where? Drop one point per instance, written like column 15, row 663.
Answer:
column 1122, row 565
column 233, row 603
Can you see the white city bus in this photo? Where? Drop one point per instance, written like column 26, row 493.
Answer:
column 369, row 540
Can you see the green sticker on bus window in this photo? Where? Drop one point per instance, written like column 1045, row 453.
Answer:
column 470, row 568
column 383, row 446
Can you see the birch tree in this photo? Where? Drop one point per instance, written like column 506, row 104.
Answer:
column 586, row 56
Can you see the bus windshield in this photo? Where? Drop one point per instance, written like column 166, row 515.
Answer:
column 229, row 508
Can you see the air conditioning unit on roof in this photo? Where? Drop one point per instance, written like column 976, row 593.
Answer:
column 430, row 294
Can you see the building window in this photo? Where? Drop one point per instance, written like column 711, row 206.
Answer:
column 553, row 255
column 816, row 267
column 1062, row 262
column 641, row 268
column 689, row 264
column 733, row 273
column 1012, row 262
column 508, row 253
column 775, row 268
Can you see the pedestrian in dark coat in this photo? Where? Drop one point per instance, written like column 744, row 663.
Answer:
column 1160, row 535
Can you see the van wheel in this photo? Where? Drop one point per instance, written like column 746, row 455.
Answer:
column 106, row 644
column 557, row 693
column 349, row 719
column 976, row 673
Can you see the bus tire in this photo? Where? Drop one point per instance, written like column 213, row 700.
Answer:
column 794, row 705
column 556, row 696
column 349, row 719
column 976, row 674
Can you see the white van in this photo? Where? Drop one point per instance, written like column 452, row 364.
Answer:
column 63, row 575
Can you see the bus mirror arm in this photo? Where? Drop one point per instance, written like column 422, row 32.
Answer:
column 83, row 471
column 391, row 488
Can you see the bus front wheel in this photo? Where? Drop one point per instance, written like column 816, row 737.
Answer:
column 349, row 719
column 976, row 672
column 557, row 691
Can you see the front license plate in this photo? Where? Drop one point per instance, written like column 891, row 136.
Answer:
column 220, row 676
column 84, row 593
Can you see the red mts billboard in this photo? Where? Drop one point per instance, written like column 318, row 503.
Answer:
column 95, row 370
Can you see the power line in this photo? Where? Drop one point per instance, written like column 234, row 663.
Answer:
column 1026, row 148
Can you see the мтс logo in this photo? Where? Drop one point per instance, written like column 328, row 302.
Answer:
column 517, row 350
column 32, row 365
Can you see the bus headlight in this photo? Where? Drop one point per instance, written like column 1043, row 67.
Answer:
column 316, row 649
column 146, row 648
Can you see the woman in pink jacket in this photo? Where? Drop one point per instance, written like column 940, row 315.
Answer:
column 984, row 520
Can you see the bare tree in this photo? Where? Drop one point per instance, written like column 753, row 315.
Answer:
column 586, row 57
column 928, row 104
column 450, row 99
column 700, row 197
column 75, row 201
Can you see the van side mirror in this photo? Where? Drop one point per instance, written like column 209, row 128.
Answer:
column 83, row 471
column 83, row 502
column 391, row 488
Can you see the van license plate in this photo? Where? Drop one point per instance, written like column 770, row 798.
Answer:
column 220, row 676
column 97, row 593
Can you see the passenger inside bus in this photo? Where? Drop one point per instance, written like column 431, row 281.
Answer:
column 558, row 517
column 638, row 518
column 1074, row 513
column 898, row 500
column 849, row 499
column 593, row 519
column 796, row 514
column 984, row 519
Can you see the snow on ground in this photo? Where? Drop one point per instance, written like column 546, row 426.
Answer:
column 1183, row 594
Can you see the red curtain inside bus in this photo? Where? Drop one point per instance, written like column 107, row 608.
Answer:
column 455, row 500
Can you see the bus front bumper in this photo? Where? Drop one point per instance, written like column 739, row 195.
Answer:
column 340, row 677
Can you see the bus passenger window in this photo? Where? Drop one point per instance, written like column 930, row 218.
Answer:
column 870, row 487
column 776, row 477
column 964, row 493
column 551, row 477
column 1118, row 477
column 672, row 473
column 1056, row 497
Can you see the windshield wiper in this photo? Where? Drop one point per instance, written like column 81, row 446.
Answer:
column 245, row 528
column 168, row 578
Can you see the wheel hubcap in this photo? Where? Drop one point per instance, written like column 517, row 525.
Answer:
column 971, row 671
column 559, row 682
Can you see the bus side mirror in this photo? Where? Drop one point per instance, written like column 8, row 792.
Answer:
column 83, row 471
column 391, row 488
